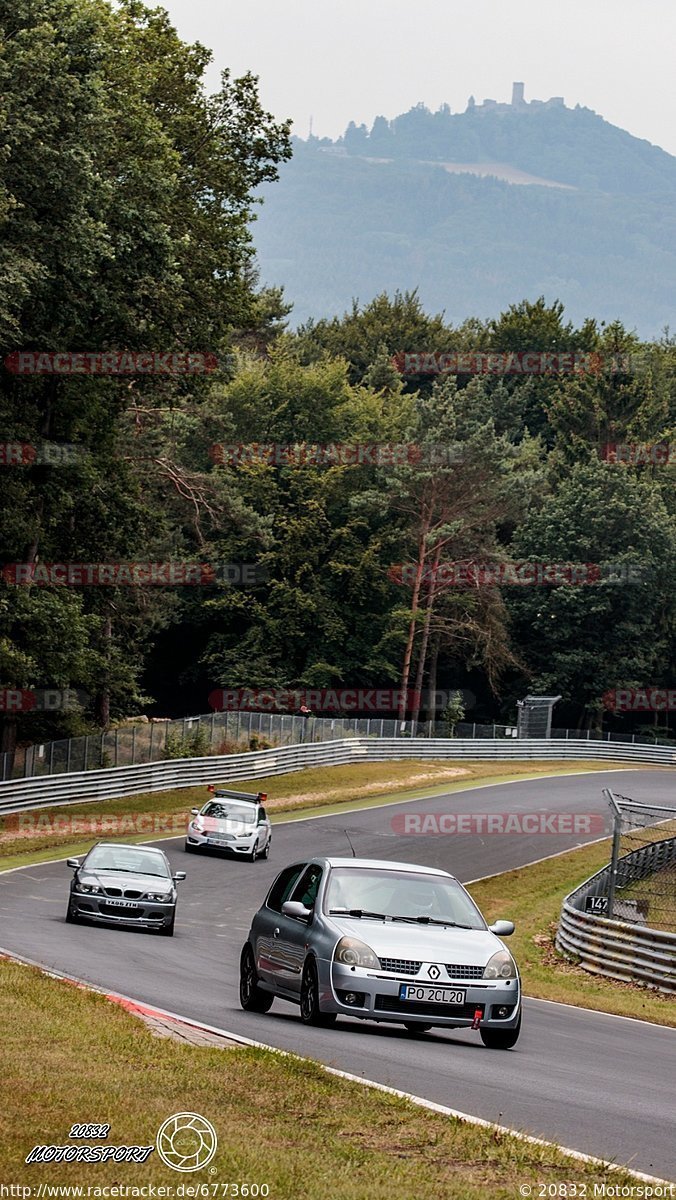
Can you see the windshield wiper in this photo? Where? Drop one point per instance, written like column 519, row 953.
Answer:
column 128, row 871
column 358, row 912
column 432, row 921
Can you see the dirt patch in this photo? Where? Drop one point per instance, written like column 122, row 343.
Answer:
column 381, row 786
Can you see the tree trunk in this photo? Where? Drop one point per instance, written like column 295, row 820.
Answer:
column 429, row 609
column 432, row 680
column 102, row 705
column 408, row 653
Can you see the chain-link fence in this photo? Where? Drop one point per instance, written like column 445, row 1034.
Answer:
column 146, row 741
column 216, row 733
column 642, row 879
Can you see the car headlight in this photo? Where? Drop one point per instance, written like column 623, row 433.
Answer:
column 354, row 953
column 198, row 826
column 89, row 887
column 500, row 966
column 158, row 896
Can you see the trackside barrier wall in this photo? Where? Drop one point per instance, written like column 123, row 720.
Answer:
column 621, row 949
column 113, row 782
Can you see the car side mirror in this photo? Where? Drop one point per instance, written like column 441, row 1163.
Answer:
column 502, row 928
column 73, row 862
column 194, row 812
column 262, row 820
column 178, row 876
column 294, row 908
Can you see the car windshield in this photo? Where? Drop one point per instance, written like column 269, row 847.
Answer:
column 403, row 894
column 225, row 810
column 127, row 860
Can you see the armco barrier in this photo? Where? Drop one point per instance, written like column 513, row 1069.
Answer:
column 620, row 949
column 112, row 782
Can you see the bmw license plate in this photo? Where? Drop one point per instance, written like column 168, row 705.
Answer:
column 431, row 995
column 122, row 903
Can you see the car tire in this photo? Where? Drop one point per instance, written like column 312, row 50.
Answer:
column 265, row 852
column 168, row 930
column 71, row 915
column 500, row 1039
column 251, row 997
column 310, row 1012
column 412, row 1028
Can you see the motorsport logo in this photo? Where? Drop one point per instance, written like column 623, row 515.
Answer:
column 185, row 1142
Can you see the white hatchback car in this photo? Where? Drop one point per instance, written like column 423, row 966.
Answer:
column 232, row 821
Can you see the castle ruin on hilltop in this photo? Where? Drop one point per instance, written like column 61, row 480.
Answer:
column 518, row 104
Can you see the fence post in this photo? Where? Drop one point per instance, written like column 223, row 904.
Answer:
column 150, row 747
column 70, row 740
column 117, row 744
column 615, row 853
column 133, row 745
column 51, row 758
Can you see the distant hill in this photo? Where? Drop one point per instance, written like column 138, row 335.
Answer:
column 424, row 201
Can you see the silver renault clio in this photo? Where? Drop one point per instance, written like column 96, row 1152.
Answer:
column 384, row 941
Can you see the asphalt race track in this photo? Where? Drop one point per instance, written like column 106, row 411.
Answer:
column 596, row 1083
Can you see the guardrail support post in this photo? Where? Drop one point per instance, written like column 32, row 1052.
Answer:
column 615, row 853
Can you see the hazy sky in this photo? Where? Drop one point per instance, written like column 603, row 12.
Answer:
column 356, row 59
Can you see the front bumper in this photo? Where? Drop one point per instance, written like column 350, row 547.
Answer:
column 145, row 914
column 229, row 844
column 378, row 998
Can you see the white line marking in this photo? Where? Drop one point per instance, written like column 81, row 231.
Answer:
column 370, row 1083
column 599, row 1012
column 178, row 837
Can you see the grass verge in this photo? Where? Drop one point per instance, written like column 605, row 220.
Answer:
column 71, row 1057
column 532, row 897
column 40, row 834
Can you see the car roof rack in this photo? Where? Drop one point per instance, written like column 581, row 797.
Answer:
column 227, row 793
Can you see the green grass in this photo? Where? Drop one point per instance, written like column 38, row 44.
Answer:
column 37, row 835
column 532, row 897
column 70, row 1056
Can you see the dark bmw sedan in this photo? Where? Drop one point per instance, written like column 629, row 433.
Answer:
column 124, row 885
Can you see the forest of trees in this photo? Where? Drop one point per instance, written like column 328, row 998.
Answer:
column 126, row 200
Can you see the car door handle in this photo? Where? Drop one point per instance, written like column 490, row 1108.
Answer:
column 276, row 932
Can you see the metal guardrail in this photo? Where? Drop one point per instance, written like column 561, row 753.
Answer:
column 620, row 949
column 112, row 782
